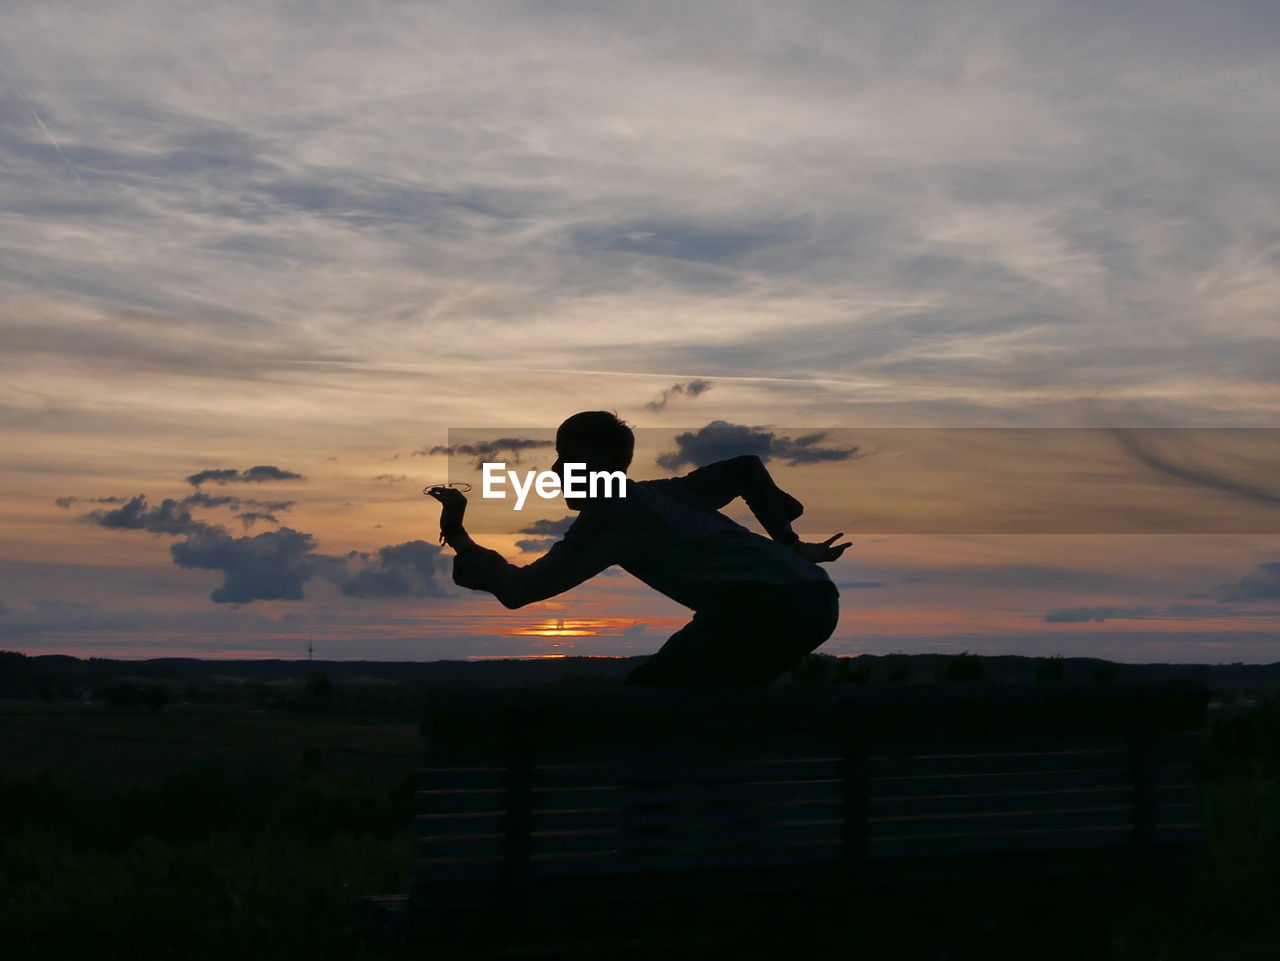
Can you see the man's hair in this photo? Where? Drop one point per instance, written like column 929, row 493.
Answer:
column 599, row 437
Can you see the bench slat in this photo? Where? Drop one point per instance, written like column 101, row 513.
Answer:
column 994, row 804
column 937, row 846
column 458, row 802
column 999, row 824
column 959, row 784
column 460, row 778
column 677, row 814
column 704, row 770
column 449, row 870
column 616, row 796
column 453, row 825
column 969, row 765
column 458, row 846
column 657, row 843
column 605, row 863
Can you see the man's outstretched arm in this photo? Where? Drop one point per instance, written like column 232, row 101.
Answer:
column 747, row 477
column 567, row 564
column 572, row 560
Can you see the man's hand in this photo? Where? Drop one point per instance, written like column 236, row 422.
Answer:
column 454, row 505
column 823, row 552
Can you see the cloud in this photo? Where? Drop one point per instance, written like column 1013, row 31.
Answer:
column 546, row 528
column 249, row 518
column 1262, row 584
column 272, row 506
column 720, row 440
column 1083, row 615
column 66, row 502
column 168, row 517
column 1171, row 612
column 173, row 517
column 201, row 499
column 482, row 451
column 535, row 545
column 546, row 533
column 412, row 569
column 252, row 475
column 972, row 256
column 691, row 389
column 273, row 565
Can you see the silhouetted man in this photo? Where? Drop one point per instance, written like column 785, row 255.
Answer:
column 759, row 604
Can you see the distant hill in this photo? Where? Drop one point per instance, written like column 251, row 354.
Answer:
column 64, row 676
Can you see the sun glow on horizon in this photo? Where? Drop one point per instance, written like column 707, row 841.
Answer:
column 558, row 627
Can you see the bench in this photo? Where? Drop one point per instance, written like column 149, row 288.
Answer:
column 543, row 816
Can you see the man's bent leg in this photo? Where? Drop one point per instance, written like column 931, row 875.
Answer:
column 688, row 658
column 751, row 637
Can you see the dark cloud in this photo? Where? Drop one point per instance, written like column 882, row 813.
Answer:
column 66, row 502
column 270, row 566
column 252, row 475
column 535, row 545
column 690, row 388
column 487, row 450
column 805, row 450
column 545, row 534
column 1083, row 615
column 249, row 518
column 218, row 476
column 411, row 569
column 391, row 478
column 1262, row 584
column 720, row 440
column 546, row 528
column 168, row 517
column 271, row 506
column 273, row 565
column 4, row 608
column 48, row 616
column 1171, row 612
column 201, row 499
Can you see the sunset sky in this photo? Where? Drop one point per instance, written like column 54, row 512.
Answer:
column 258, row 259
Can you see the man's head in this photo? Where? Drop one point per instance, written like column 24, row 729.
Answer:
column 596, row 438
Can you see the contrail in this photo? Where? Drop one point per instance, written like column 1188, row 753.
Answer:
column 36, row 117
column 1133, row 442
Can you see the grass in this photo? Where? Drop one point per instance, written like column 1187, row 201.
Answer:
column 210, row 862
column 212, row 856
column 218, row 896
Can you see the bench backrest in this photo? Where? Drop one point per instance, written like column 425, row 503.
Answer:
column 564, row 791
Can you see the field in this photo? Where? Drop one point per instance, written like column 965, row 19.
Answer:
column 204, row 832
column 196, row 833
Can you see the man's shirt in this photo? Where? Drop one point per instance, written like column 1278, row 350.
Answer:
column 668, row 533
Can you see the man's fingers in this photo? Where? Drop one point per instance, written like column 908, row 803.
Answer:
column 827, row 542
column 443, row 494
